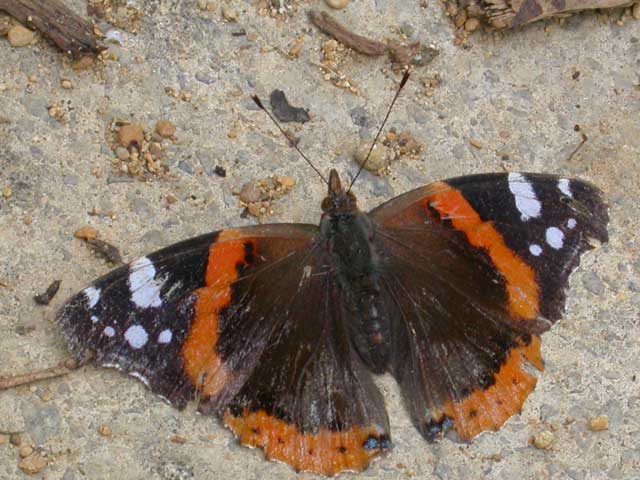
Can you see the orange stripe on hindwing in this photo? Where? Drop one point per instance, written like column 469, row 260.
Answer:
column 202, row 364
column 521, row 284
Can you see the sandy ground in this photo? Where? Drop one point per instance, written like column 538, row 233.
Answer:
column 518, row 95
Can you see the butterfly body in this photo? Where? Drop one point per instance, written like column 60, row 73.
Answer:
column 277, row 329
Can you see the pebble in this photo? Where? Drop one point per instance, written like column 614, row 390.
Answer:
column 66, row 84
column 131, row 133
column 7, row 192
column 543, row 440
column 4, row 439
column 122, row 154
column 104, row 430
column 286, row 182
column 249, row 193
column 476, row 143
column 25, row 451
column 86, row 233
column 337, row 4
column 380, row 156
column 471, row 25
column 32, row 464
column 156, row 151
column 15, row 439
column 20, row 36
column 599, row 423
column 229, row 14
column 165, row 128
column 592, row 282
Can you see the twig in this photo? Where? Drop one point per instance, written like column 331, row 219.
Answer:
column 64, row 368
column 69, row 32
column 577, row 149
column 357, row 42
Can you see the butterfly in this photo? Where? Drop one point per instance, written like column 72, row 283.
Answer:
column 278, row 329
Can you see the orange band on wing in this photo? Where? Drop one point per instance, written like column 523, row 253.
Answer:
column 521, row 284
column 326, row 452
column 488, row 409
column 202, row 364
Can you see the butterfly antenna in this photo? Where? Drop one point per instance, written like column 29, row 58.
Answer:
column 258, row 102
column 403, row 82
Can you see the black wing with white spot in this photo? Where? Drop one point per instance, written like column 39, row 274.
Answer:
column 137, row 317
column 549, row 221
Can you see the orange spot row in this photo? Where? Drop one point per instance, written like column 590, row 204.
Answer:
column 489, row 409
column 521, row 284
column 202, row 364
column 326, row 452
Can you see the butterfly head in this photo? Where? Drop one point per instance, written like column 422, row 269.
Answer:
column 338, row 200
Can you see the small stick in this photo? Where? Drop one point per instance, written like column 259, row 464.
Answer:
column 577, row 149
column 358, row 43
column 69, row 32
column 64, row 368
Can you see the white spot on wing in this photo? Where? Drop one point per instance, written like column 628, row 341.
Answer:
column 571, row 223
column 145, row 289
column 526, row 201
column 306, row 274
column 137, row 336
column 165, row 336
column 109, row 331
column 94, row 319
column 535, row 249
column 563, row 186
column 93, row 296
column 555, row 237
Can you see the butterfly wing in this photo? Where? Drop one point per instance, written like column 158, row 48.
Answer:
column 243, row 321
column 477, row 267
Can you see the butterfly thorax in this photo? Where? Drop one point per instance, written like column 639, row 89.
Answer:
column 354, row 262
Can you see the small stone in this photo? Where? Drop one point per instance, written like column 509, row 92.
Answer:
column 543, row 440
column 471, row 25
column 25, row 451
column 171, row 199
column 165, row 128
column 202, row 4
column 179, row 439
column 337, row 4
column 122, row 154
column 7, row 192
column 66, row 84
column 254, row 209
column 220, row 171
column 86, row 233
column 84, row 63
column 156, row 151
column 104, row 430
column 592, row 282
column 636, row 11
column 599, row 423
column 20, row 36
column 379, row 158
column 476, row 143
column 131, row 133
column 286, row 182
column 15, row 439
column 32, row 464
column 229, row 14
column 4, row 439
column 249, row 193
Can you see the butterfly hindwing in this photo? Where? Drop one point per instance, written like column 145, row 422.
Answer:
column 473, row 293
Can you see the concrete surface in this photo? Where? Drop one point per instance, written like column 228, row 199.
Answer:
column 515, row 93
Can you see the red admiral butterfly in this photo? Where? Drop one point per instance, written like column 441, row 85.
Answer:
column 277, row 329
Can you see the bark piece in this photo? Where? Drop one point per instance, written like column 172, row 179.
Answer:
column 514, row 13
column 69, row 32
